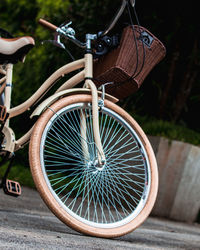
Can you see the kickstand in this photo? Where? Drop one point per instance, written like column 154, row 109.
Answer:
column 10, row 187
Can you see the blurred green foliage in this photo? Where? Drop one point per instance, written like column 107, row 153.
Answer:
column 155, row 127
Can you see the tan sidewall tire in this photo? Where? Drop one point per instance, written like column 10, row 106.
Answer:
column 54, row 206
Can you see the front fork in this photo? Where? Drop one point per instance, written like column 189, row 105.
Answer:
column 95, row 112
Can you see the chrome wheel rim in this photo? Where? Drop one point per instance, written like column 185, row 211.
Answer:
column 105, row 196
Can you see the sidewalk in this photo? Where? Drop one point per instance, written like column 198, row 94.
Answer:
column 26, row 223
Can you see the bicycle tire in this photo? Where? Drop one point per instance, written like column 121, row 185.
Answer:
column 108, row 201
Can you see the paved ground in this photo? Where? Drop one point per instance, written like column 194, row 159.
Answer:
column 26, row 223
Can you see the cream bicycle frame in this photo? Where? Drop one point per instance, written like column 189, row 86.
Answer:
column 10, row 144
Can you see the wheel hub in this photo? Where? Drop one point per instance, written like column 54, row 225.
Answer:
column 95, row 167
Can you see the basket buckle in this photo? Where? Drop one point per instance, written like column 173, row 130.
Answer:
column 146, row 38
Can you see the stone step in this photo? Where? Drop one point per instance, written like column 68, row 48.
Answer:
column 179, row 179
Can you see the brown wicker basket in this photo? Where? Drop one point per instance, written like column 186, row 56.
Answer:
column 128, row 65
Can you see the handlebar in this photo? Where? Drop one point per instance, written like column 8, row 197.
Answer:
column 64, row 31
column 69, row 33
column 117, row 16
column 47, row 24
column 132, row 3
column 115, row 19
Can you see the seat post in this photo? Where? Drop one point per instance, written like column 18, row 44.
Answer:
column 8, row 88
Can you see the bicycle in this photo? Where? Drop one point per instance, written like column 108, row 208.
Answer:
column 91, row 162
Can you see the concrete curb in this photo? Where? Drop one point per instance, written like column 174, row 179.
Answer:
column 179, row 179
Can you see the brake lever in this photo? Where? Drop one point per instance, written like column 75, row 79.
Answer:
column 55, row 42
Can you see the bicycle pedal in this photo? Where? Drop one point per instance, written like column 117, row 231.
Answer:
column 12, row 188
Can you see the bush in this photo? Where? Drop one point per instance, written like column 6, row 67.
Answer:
column 169, row 130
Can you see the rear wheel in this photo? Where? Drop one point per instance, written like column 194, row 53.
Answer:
column 106, row 201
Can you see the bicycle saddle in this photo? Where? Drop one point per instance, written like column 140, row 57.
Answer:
column 13, row 50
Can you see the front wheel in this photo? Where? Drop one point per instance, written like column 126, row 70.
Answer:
column 105, row 201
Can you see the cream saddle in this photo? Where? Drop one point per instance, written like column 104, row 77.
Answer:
column 13, row 50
